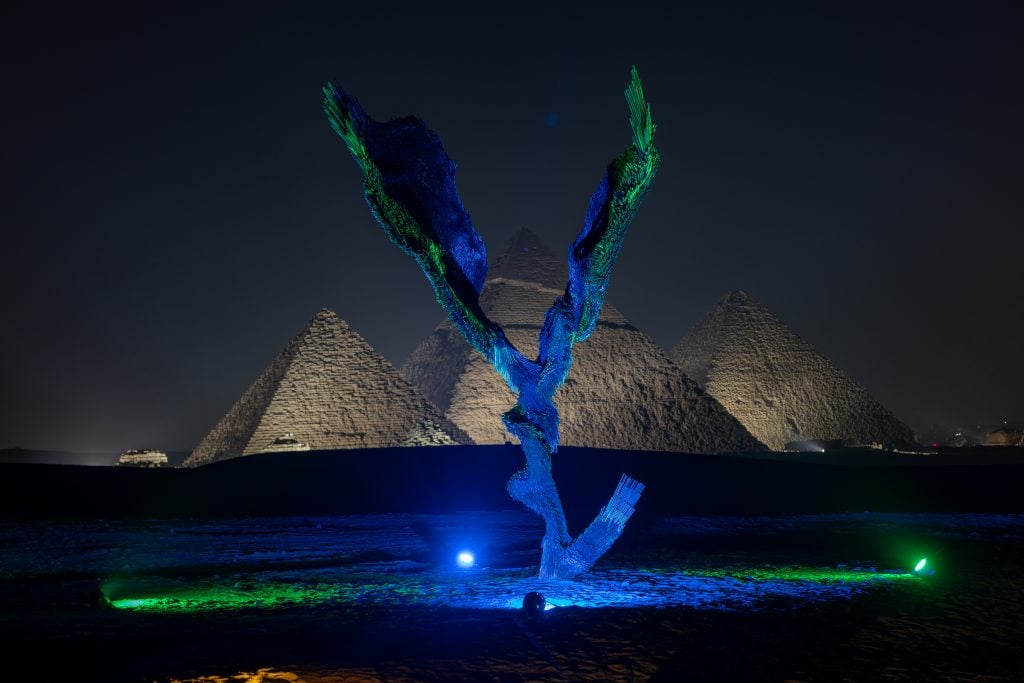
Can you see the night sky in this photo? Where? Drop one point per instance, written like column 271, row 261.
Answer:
column 175, row 206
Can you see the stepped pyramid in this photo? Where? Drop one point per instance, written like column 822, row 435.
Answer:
column 329, row 389
column 622, row 392
column 776, row 384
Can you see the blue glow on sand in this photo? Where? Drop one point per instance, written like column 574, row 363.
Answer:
column 465, row 559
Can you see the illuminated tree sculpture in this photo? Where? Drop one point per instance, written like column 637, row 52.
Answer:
column 410, row 187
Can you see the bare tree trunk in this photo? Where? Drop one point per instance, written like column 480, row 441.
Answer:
column 562, row 557
column 409, row 183
column 534, row 487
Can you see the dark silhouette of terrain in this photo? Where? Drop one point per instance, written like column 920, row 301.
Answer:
column 460, row 478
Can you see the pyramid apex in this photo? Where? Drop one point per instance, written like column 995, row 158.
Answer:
column 738, row 297
column 326, row 317
column 524, row 241
column 527, row 257
column 525, row 232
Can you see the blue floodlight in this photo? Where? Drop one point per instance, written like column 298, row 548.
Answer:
column 465, row 559
column 534, row 604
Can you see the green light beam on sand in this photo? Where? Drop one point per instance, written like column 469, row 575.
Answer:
column 822, row 575
column 268, row 596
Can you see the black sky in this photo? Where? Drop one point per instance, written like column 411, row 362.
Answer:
column 175, row 206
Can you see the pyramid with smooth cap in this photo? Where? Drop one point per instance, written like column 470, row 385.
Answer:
column 777, row 385
column 622, row 391
column 328, row 389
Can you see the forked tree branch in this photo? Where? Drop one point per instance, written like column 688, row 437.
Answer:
column 410, row 187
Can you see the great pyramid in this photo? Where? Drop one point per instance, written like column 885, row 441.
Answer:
column 327, row 389
column 776, row 384
column 622, row 392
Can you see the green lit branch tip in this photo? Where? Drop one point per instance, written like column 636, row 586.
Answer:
column 639, row 114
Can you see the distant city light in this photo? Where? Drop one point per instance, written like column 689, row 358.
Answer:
column 465, row 559
column 921, row 564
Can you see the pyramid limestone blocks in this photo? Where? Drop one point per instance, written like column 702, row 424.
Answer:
column 331, row 390
column 622, row 391
column 776, row 384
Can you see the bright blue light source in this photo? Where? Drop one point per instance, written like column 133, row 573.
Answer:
column 465, row 559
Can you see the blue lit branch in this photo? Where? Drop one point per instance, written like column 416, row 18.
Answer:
column 409, row 183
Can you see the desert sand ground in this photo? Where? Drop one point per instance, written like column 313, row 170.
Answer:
column 379, row 598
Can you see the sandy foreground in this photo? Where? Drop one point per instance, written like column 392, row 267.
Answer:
column 376, row 598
